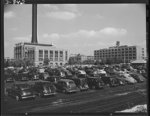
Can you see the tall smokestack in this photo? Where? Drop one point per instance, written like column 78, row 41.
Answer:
column 34, row 24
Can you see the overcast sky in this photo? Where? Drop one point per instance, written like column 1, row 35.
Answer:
column 79, row 28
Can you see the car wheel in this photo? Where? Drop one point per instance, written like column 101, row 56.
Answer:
column 17, row 98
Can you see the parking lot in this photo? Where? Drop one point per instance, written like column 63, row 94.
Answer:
column 104, row 100
column 74, row 89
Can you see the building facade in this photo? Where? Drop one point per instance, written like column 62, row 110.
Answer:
column 39, row 52
column 80, row 58
column 124, row 53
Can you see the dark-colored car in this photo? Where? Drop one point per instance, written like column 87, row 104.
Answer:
column 112, row 82
column 21, row 91
column 120, row 80
column 95, row 82
column 54, row 79
column 81, row 83
column 145, row 75
column 66, row 86
column 22, row 77
column 44, row 88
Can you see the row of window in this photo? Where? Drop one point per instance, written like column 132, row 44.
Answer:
column 50, row 59
column 117, row 57
column 110, row 50
column 52, row 55
column 114, row 53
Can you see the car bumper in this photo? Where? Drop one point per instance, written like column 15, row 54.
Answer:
column 26, row 97
column 83, row 89
column 71, row 91
column 48, row 94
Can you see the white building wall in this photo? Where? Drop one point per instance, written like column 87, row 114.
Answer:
column 139, row 53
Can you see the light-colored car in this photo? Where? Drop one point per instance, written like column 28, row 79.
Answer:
column 128, row 78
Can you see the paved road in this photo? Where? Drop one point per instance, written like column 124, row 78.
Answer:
column 104, row 100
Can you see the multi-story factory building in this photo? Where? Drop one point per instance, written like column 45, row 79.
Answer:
column 38, row 52
column 123, row 53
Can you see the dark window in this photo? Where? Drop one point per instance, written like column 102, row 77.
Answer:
column 51, row 55
column 56, row 55
column 40, row 55
column 46, row 54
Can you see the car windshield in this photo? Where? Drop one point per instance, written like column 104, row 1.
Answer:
column 23, row 86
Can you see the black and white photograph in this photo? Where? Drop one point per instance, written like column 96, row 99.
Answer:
column 75, row 58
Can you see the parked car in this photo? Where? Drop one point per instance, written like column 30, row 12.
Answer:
column 137, row 77
column 108, row 80
column 95, row 82
column 81, row 83
column 44, row 88
column 9, row 80
column 35, row 77
column 66, row 86
column 120, row 80
column 145, row 75
column 54, row 79
column 128, row 78
column 22, row 77
column 44, row 75
column 20, row 91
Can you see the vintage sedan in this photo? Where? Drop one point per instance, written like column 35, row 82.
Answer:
column 81, row 83
column 44, row 75
column 44, row 88
column 66, row 86
column 20, row 91
column 22, row 77
column 137, row 77
column 95, row 82
column 108, row 80
column 128, row 78
column 120, row 80
column 9, row 80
